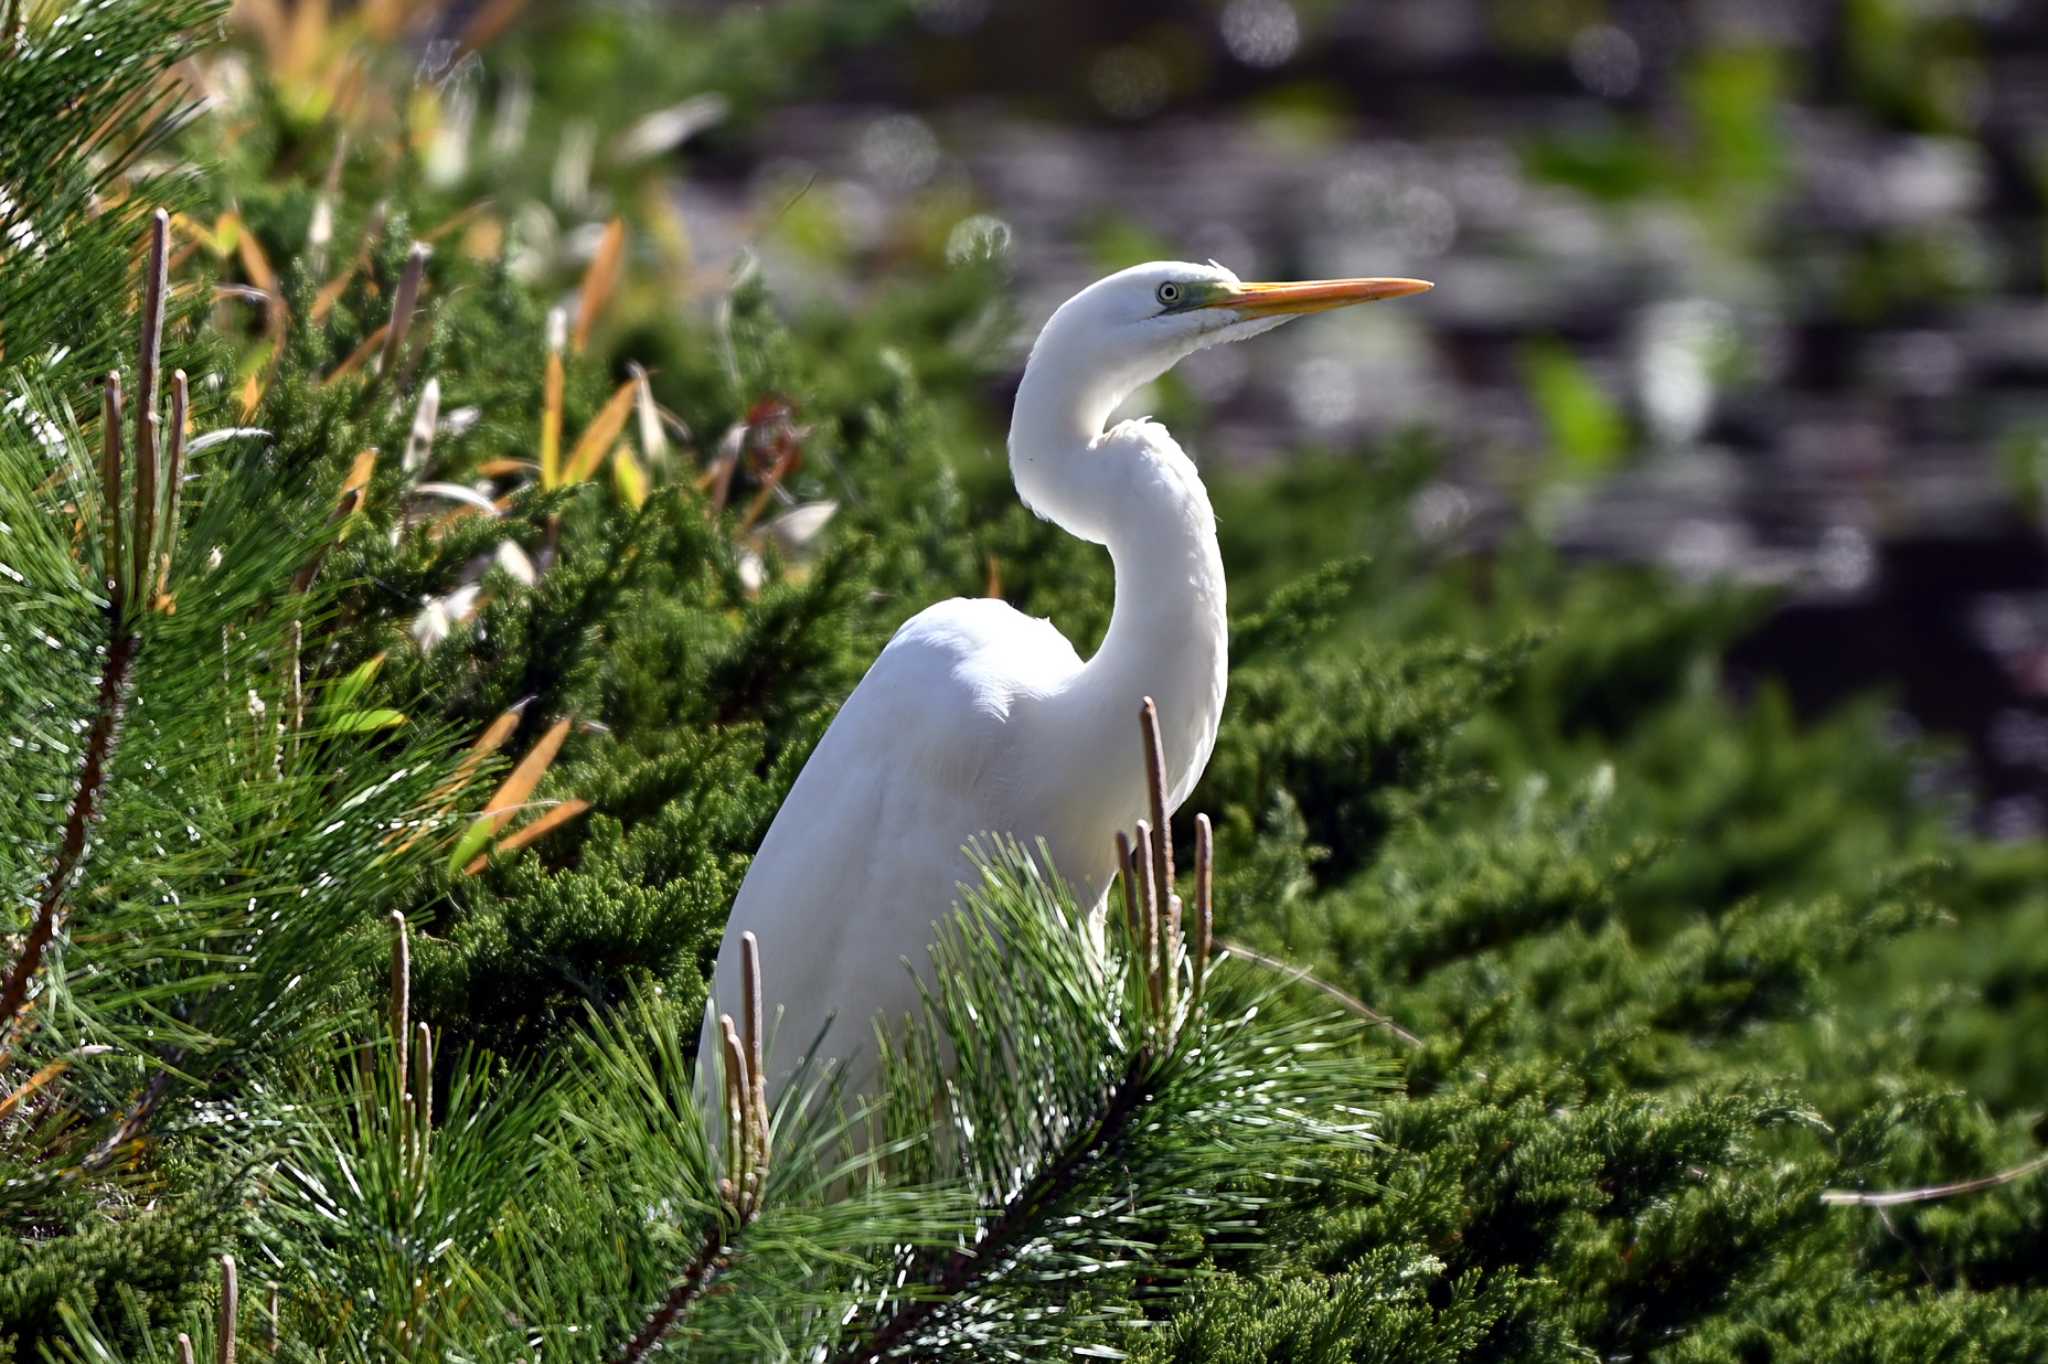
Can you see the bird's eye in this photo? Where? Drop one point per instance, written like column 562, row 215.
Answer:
column 1169, row 293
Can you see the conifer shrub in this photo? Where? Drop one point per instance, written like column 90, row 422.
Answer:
column 1565, row 1006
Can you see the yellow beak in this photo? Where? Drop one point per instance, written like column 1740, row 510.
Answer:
column 1313, row 296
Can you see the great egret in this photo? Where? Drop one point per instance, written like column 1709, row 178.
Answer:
column 978, row 719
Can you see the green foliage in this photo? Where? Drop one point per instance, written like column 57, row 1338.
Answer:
column 1677, row 964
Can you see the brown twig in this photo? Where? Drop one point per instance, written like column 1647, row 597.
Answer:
column 1844, row 1198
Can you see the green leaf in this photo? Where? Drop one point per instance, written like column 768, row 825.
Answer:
column 364, row 721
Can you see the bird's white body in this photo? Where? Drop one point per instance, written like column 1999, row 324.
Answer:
column 978, row 720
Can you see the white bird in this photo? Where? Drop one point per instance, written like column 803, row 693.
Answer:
column 978, row 719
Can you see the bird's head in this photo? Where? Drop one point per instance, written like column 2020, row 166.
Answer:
column 1128, row 329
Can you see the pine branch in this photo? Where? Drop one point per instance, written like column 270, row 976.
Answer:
column 85, row 801
column 1021, row 1218
column 703, row 1272
column 127, row 593
column 747, row 1144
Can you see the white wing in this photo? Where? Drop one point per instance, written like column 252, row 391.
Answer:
column 865, row 854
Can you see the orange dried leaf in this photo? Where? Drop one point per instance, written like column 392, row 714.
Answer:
column 360, row 356
column 30, row 1086
column 546, row 824
column 599, row 281
column 599, row 437
column 359, row 474
column 525, row 776
column 256, row 263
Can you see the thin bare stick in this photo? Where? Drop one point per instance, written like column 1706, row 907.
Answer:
column 1351, row 1002
column 230, row 1310
column 1205, row 907
column 185, row 1349
column 1845, row 1198
column 110, row 484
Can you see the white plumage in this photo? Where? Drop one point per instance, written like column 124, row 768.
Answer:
column 978, row 719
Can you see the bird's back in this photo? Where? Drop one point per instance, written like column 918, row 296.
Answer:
column 865, row 853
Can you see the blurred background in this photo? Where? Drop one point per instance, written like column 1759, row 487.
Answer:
column 1747, row 289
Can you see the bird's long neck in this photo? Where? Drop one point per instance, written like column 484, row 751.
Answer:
column 1136, row 492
